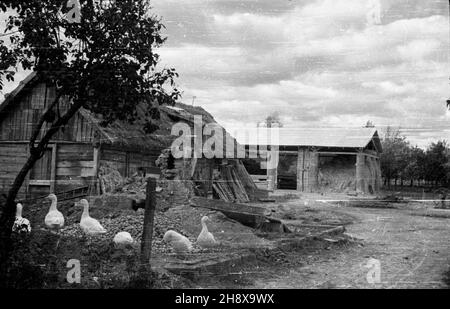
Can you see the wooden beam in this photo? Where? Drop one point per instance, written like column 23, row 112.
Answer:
column 221, row 205
column 54, row 148
column 45, row 183
column 96, row 166
column 347, row 153
column 149, row 217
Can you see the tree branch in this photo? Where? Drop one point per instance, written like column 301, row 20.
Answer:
column 42, row 119
column 62, row 121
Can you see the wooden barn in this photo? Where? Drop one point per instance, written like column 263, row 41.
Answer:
column 317, row 160
column 76, row 155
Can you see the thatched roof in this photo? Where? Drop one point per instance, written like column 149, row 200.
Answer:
column 128, row 135
column 122, row 133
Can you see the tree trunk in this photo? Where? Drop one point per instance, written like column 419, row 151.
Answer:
column 9, row 209
column 8, row 215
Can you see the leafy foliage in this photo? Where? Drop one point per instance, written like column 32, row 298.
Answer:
column 273, row 120
column 394, row 158
column 401, row 160
column 106, row 63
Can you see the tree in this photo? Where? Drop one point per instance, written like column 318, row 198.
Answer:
column 272, row 119
column 394, row 157
column 369, row 124
column 105, row 63
column 437, row 159
column 415, row 167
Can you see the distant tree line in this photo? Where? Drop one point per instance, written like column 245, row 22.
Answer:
column 404, row 164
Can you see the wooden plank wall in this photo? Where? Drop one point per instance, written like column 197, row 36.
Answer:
column 75, row 166
column 203, row 174
column 128, row 162
column 12, row 158
column 17, row 121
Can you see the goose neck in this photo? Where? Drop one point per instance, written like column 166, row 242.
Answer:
column 53, row 205
column 204, row 226
column 85, row 211
column 19, row 211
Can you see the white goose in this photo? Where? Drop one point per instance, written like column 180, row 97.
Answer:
column 54, row 220
column 123, row 240
column 206, row 239
column 21, row 225
column 180, row 244
column 90, row 226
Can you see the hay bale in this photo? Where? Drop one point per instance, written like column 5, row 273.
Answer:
column 110, row 178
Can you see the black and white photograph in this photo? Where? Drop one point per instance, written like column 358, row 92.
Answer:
column 224, row 150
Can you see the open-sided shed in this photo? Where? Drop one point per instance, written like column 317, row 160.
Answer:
column 320, row 159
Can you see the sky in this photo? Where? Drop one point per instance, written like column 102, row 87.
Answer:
column 316, row 63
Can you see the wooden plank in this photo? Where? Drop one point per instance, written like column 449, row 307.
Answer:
column 10, row 168
column 11, row 160
column 77, row 147
column 117, row 156
column 73, row 181
column 240, row 185
column 40, row 182
column 75, row 171
column 78, row 152
column 53, row 168
column 18, row 153
column 346, row 153
column 234, row 187
column 75, row 164
column 219, row 192
column 226, row 206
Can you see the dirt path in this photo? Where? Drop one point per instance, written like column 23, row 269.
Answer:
column 413, row 251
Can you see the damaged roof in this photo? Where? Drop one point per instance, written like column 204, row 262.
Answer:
column 119, row 133
column 133, row 135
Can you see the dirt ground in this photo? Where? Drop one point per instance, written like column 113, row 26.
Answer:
column 413, row 252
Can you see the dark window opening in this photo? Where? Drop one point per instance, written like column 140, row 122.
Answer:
column 253, row 167
column 170, row 162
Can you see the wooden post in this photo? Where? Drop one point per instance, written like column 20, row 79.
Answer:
column 359, row 172
column 300, row 169
column 314, row 171
column 53, row 168
column 147, row 233
column 95, row 176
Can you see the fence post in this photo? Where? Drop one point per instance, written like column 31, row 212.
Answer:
column 147, row 233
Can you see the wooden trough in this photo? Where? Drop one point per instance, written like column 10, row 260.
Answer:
column 252, row 216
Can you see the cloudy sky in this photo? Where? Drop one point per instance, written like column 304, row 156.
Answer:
column 327, row 63
column 318, row 63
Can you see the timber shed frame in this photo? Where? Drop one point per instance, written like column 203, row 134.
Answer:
column 305, row 158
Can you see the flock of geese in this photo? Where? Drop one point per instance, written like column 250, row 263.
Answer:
column 54, row 221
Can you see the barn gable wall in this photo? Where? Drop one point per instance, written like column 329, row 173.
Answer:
column 12, row 158
column 18, row 119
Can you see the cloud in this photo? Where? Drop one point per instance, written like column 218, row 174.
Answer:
column 316, row 62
